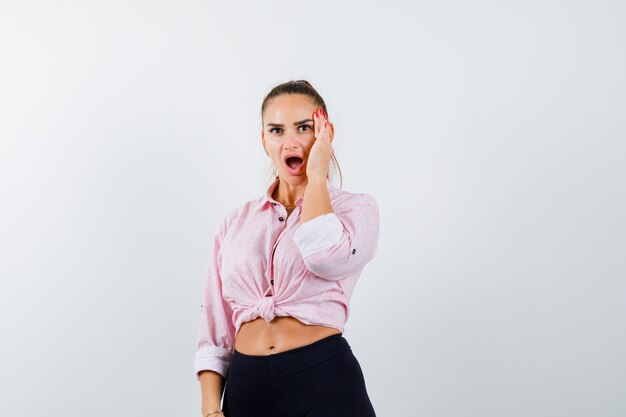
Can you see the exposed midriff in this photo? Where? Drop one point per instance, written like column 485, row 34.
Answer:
column 258, row 337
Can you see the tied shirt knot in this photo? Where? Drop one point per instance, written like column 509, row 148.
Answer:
column 265, row 308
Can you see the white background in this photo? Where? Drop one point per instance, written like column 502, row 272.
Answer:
column 492, row 134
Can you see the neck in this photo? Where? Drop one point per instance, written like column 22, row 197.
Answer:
column 288, row 193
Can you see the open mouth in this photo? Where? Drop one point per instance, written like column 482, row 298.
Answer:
column 294, row 162
column 294, row 165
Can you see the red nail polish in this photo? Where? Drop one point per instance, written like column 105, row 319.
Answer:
column 325, row 123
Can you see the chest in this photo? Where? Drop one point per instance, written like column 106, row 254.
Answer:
column 260, row 249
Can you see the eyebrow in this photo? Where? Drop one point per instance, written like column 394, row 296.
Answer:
column 294, row 123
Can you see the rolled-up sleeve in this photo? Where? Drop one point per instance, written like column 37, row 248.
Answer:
column 337, row 245
column 216, row 331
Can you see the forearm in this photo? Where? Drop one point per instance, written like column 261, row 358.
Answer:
column 316, row 200
column 212, row 386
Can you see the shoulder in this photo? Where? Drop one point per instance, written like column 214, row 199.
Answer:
column 239, row 213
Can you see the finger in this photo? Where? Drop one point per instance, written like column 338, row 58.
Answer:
column 327, row 125
column 324, row 133
column 317, row 122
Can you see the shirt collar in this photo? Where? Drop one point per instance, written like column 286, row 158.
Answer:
column 267, row 197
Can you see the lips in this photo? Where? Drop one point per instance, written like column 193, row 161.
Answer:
column 289, row 155
column 294, row 163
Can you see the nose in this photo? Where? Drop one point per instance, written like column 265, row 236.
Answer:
column 290, row 141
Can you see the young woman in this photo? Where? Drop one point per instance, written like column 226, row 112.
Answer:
column 283, row 268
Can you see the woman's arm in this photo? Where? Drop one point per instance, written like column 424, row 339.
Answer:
column 212, row 387
column 216, row 332
column 316, row 200
column 340, row 243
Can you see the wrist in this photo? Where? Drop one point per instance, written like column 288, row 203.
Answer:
column 313, row 180
column 213, row 412
column 207, row 409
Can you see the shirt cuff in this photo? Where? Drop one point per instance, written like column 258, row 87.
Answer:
column 212, row 358
column 319, row 233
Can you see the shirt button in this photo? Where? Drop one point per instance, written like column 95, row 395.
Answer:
column 353, row 251
column 281, row 218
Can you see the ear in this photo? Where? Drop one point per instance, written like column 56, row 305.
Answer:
column 263, row 141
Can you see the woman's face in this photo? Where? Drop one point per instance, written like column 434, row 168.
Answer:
column 288, row 130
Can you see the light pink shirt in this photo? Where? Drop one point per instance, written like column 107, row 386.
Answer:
column 265, row 264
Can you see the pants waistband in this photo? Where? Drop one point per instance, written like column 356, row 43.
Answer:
column 290, row 361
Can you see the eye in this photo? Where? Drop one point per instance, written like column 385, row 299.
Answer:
column 274, row 128
column 307, row 126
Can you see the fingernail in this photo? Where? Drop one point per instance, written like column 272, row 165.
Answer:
column 325, row 123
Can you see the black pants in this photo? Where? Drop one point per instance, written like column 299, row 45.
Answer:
column 322, row 379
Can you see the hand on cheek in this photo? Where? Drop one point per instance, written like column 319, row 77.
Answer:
column 319, row 155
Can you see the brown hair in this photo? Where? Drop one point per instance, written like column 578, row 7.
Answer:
column 306, row 89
